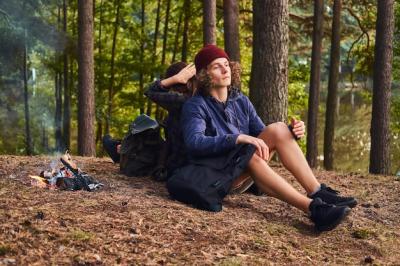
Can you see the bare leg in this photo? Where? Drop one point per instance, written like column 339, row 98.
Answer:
column 278, row 137
column 269, row 181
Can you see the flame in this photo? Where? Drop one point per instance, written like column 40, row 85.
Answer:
column 38, row 181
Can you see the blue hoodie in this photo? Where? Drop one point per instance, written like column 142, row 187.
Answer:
column 211, row 127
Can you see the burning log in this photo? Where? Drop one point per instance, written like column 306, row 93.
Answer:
column 68, row 177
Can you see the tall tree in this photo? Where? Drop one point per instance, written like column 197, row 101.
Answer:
column 231, row 29
column 269, row 79
column 154, row 57
column 58, row 111
column 164, row 50
column 86, row 105
column 165, row 35
column 28, row 138
column 142, row 44
column 313, row 99
column 331, row 101
column 379, row 155
column 177, row 34
column 209, row 22
column 67, row 93
column 58, row 95
column 117, row 5
column 186, row 19
column 98, row 75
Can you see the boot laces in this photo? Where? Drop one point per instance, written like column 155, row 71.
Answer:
column 329, row 189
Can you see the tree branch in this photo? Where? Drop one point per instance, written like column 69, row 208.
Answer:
column 6, row 17
column 362, row 28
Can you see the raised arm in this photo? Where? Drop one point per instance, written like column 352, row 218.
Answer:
column 159, row 91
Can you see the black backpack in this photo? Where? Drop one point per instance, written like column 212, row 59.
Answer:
column 140, row 149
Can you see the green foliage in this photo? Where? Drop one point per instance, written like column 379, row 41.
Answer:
column 364, row 56
column 366, row 96
column 299, row 75
column 396, row 43
column 395, row 115
column 38, row 21
column 297, row 96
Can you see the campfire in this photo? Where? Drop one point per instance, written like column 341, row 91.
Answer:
column 68, row 177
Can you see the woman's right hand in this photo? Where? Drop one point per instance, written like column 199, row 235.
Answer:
column 185, row 74
column 262, row 149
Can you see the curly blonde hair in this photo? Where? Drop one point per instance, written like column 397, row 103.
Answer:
column 203, row 80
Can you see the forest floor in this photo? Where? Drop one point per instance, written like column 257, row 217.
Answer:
column 133, row 221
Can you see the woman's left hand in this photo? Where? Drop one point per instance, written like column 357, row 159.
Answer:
column 299, row 128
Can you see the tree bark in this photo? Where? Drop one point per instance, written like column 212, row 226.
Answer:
column 331, row 101
column 186, row 8
column 86, row 101
column 380, row 122
column 67, row 92
column 154, row 58
column 209, row 22
column 58, row 95
column 178, row 31
column 164, row 50
column 112, row 71
column 165, row 37
column 28, row 139
column 313, row 99
column 269, row 79
column 141, row 74
column 58, row 111
column 231, row 29
column 100, row 116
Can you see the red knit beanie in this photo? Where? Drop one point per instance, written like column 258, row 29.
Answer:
column 207, row 54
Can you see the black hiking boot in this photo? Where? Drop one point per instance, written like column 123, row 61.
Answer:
column 331, row 196
column 110, row 145
column 327, row 216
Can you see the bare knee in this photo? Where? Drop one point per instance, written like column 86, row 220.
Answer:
column 255, row 161
column 276, row 132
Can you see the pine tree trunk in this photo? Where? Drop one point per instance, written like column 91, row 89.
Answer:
column 141, row 74
column 164, row 50
column 86, row 101
column 186, row 8
column 209, row 22
column 154, row 58
column 112, row 66
column 58, row 96
column 269, row 79
column 28, row 140
column 99, row 92
column 313, row 99
column 331, row 101
column 380, row 123
column 67, row 93
column 165, row 37
column 58, row 111
column 178, row 31
column 45, row 139
column 231, row 29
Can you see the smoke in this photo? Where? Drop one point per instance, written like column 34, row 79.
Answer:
column 26, row 18
column 27, row 26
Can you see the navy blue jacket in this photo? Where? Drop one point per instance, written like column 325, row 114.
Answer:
column 211, row 128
